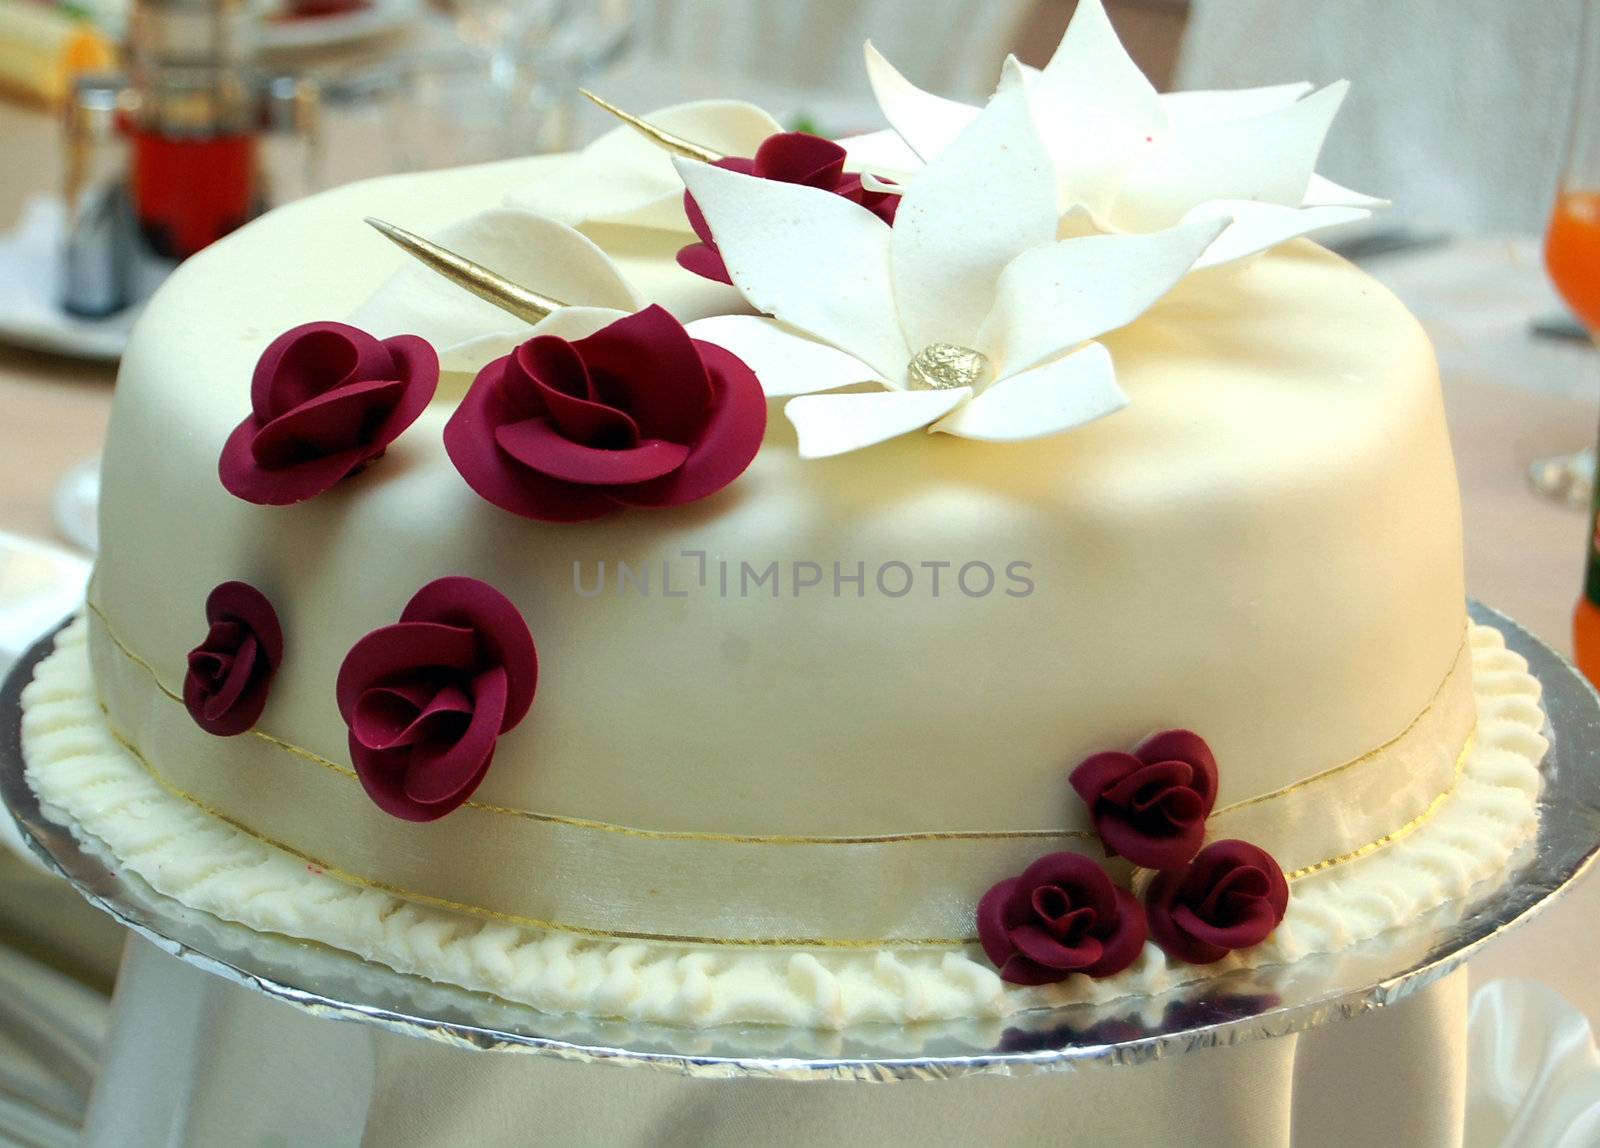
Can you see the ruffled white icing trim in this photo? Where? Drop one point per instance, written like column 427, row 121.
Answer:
column 85, row 779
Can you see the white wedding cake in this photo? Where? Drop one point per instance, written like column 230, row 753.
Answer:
column 989, row 563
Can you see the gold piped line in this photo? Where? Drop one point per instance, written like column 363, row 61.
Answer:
column 155, row 680
column 606, row 826
column 494, row 914
column 1332, row 771
column 513, row 298
column 481, row 912
column 1405, row 830
column 308, row 755
column 116, row 640
column 752, row 839
column 673, row 143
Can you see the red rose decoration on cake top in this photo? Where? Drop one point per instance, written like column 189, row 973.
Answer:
column 636, row 414
column 325, row 401
column 1061, row 916
column 789, row 157
column 230, row 672
column 1229, row 897
column 427, row 697
column 1151, row 805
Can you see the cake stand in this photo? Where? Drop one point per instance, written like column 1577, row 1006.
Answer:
column 1223, row 1010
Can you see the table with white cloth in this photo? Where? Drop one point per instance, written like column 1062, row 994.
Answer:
column 190, row 1059
column 200, row 1061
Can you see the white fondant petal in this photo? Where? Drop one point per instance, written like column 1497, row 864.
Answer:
column 1186, row 109
column 1079, row 221
column 979, row 204
column 1062, row 394
column 882, row 151
column 1055, row 297
column 808, row 257
column 874, row 182
column 537, row 253
column 926, row 122
column 663, row 213
column 836, row 424
column 785, row 361
column 543, row 255
column 732, row 127
column 574, row 323
column 616, row 195
column 472, row 355
column 628, row 178
column 1268, row 158
column 1095, row 109
column 1257, row 227
column 1323, row 192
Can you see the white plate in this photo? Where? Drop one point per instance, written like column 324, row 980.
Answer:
column 40, row 584
column 378, row 17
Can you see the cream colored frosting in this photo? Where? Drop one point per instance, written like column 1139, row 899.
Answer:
column 85, row 777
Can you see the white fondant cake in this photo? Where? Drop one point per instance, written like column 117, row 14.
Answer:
column 786, row 736
column 89, row 776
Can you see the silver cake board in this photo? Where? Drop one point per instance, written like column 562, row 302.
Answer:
column 1223, row 1010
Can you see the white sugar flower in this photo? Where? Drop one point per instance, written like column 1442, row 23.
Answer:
column 968, row 316
column 627, row 179
column 1130, row 160
column 547, row 256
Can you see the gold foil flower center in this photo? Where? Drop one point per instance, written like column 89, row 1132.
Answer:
column 945, row 366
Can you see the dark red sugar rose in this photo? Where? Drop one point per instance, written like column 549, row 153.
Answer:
column 637, row 414
column 230, row 672
column 1229, row 897
column 325, row 401
column 1151, row 805
column 789, row 157
column 1061, row 916
column 427, row 697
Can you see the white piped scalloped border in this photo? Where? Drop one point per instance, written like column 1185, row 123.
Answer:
column 85, row 779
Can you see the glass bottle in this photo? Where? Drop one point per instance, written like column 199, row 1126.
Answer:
column 193, row 166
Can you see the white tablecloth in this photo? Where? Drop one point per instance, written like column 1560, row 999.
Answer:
column 1458, row 109
column 194, row 1060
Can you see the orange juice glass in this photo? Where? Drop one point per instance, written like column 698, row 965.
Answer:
column 1572, row 253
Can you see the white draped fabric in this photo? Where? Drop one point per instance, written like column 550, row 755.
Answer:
column 193, row 1060
column 1535, row 1070
column 1458, row 109
column 955, row 45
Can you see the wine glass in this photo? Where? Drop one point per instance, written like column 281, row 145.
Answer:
column 1572, row 247
column 506, row 84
